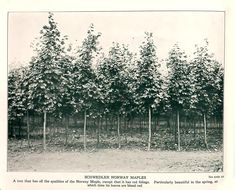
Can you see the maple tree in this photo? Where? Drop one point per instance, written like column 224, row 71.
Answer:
column 149, row 83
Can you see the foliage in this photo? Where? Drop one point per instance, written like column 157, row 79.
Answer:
column 16, row 96
column 112, row 73
column 84, row 76
column 179, row 87
column 149, row 83
column 207, row 80
column 44, row 77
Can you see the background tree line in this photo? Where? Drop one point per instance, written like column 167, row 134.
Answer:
column 120, row 88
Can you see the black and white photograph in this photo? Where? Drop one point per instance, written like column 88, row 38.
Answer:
column 116, row 91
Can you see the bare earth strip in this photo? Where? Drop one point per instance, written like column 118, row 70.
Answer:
column 113, row 160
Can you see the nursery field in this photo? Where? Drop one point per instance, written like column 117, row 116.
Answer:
column 107, row 157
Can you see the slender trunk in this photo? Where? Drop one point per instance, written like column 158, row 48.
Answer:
column 118, row 131
column 112, row 122
column 66, row 130
column 75, row 120
column 98, row 132
column 182, row 126
column 28, row 135
column 19, row 132
column 44, row 130
column 194, row 128
column 168, row 123
column 149, row 139
column 32, row 123
column 205, row 135
column 126, row 123
column 128, row 128
column 155, row 123
column 11, row 130
column 131, row 126
column 94, row 125
column 158, row 126
column 219, row 123
column 106, row 124
column 101, row 124
column 84, row 131
column 178, row 129
column 175, row 128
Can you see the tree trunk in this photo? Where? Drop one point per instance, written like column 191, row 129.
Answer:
column 44, row 130
column 194, row 128
column 19, row 132
column 158, row 126
column 205, row 135
column 28, row 133
column 101, row 124
column 126, row 123
column 140, row 123
column 112, row 122
column 66, row 130
column 168, row 123
column 178, row 129
column 84, row 132
column 106, row 124
column 118, row 131
column 131, row 126
column 98, row 132
column 149, row 139
column 185, row 121
column 175, row 128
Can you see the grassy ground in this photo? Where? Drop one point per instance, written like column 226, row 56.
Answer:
column 105, row 157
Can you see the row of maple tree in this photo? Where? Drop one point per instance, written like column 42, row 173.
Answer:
column 122, row 83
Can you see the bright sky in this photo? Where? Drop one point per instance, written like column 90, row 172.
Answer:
column 186, row 28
